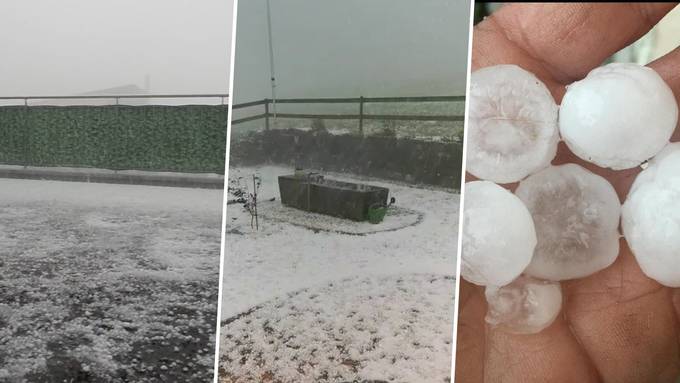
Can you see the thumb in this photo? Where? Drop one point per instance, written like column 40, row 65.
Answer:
column 552, row 355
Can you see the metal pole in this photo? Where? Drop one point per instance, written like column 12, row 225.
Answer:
column 257, row 222
column 271, row 58
column 309, row 192
column 266, row 114
column 361, row 115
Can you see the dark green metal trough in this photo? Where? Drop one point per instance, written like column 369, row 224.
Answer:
column 312, row 192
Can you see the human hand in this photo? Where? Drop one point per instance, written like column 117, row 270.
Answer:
column 617, row 325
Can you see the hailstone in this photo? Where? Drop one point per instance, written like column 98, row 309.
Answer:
column 512, row 125
column 498, row 235
column 619, row 116
column 651, row 217
column 576, row 214
column 525, row 306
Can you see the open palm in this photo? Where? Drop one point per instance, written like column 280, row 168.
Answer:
column 617, row 325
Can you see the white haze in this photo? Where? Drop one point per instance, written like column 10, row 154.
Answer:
column 67, row 47
column 332, row 48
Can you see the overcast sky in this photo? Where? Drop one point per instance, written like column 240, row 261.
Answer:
column 65, row 47
column 333, row 48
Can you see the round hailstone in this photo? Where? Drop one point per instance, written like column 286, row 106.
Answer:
column 525, row 306
column 619, row 116
column 512, row 124
column 651, row 217
column 576, row 214
column 498, row 235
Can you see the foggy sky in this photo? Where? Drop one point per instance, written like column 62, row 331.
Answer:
column 331, row 48
column 65, row 47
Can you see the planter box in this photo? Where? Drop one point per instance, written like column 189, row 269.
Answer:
column 339, row 199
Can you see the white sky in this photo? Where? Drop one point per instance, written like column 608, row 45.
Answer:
column 347, row 48
column 322, row 47
column 64, row 47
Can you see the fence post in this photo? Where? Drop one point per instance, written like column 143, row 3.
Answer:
column 266, row 114
column 361, row 115
column 27, row 137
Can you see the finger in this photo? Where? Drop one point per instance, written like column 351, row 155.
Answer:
column 571, row 39
column 625, row 322
column 470, row 338
column 553, row 355
column 490, row 46
column 667, row 67
column 676, row 304
column 499, row 356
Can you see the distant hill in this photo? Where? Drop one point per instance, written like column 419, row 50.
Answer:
column 129, row 89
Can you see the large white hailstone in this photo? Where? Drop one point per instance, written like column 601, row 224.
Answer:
column 512, row 129
column 525, row 306
column 651, row 217
column 576, row 214
column 498, row 235
column 619, row 116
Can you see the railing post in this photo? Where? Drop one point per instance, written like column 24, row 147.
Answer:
column 27, row 136
column 361, row 115
column 266, row 114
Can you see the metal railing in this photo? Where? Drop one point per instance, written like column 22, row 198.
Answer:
column 117, row 97
column 361, row 116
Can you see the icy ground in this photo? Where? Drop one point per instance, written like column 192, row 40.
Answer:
column 305, row 305
column 107, row 283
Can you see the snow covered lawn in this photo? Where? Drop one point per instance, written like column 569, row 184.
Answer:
column 303, row 302
column 107, row 283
